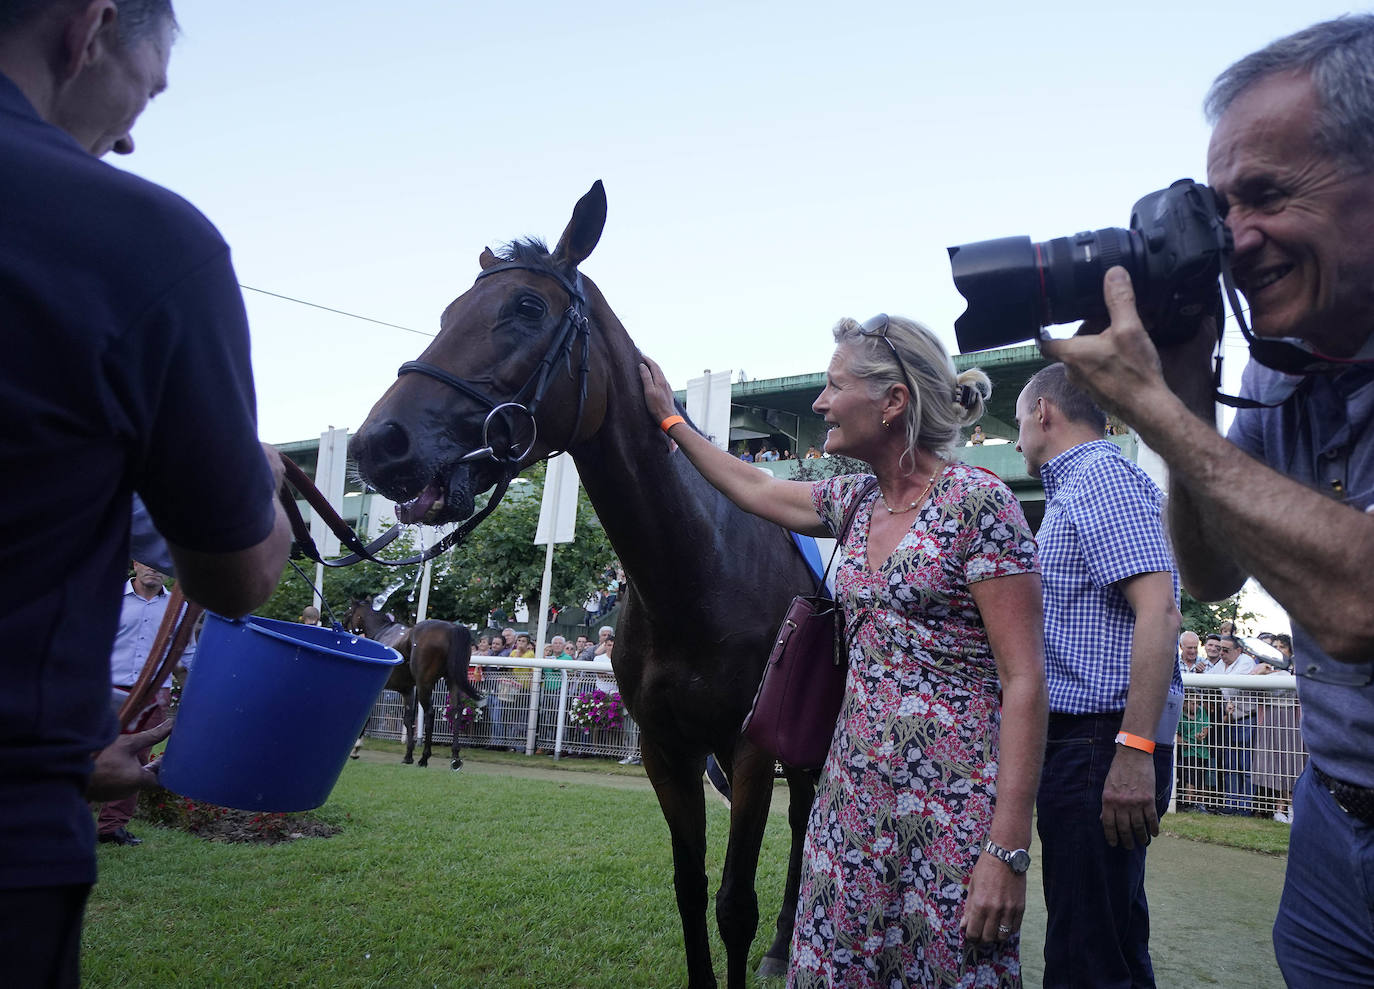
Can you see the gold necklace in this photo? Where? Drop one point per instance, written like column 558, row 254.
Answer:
column 939, row 468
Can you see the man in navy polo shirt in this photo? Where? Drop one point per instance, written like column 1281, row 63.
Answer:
column 126, row 369
column 1111, row 614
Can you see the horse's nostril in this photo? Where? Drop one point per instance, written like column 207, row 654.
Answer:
column 392, row 440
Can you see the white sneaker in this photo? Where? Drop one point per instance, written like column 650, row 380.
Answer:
column 1283, row 818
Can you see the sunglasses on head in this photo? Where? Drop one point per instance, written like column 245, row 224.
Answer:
column 877, row 327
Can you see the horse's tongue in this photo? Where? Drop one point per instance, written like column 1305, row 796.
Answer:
column 418, row 507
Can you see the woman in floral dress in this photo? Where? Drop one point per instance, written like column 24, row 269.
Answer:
column 939, row 743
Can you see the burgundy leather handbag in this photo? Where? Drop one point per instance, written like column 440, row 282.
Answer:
column 799, row 697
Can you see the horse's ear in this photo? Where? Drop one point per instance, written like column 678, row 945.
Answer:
column 488, row 259
column 584, row 229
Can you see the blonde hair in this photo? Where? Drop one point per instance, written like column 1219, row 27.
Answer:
column 945, row 401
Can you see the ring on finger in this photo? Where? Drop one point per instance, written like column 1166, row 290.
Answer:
column 1003, row 929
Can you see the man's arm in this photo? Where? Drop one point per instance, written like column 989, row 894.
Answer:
column 235, row 583
column 1236, row 516
column 1128, row 796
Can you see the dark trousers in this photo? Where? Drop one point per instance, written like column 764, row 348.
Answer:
column 40, row 936
column 1098, row 928
column 1236, row 746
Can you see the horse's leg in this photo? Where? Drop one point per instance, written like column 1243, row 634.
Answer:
column 677, row 784
column 411, row 698
column 357, row 747
column 801, row 788
column 427, row 704
column 737, row 905
column 457, row 761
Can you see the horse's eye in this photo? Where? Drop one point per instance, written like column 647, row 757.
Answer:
column 530, row 308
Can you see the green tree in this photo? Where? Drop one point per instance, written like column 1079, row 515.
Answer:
column 497, row 563
column 1203, row 616
column 818, row 468
column 343, row 584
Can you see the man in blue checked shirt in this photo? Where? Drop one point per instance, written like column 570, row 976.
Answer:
column 1111, row 614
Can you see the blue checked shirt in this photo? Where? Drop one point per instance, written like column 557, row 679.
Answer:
column 1103, row 524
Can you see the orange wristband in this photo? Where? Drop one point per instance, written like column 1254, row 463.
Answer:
column 1134, row 742
column 670, row 422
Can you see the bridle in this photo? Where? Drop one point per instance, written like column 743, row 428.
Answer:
column 573, row 327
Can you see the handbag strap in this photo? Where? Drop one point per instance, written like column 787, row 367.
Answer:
column 843, row 535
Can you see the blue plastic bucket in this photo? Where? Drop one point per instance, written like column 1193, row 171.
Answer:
column 270, row 712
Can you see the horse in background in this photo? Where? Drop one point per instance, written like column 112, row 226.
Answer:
column 708, row 583
column 429, row 649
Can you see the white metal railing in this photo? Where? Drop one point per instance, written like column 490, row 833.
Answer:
column 518, row 719
column 1239, row 748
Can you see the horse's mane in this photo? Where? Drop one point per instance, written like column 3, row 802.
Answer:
column 528, row 250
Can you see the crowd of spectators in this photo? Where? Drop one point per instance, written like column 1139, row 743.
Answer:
column 1237, row 745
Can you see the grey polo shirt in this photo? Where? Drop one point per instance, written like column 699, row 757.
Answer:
column 1322, row 437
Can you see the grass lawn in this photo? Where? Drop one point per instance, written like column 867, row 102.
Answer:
column 438, row 879
column 481, row 879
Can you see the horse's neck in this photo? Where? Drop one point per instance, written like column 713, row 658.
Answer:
column 670, row 528
column 376, row 624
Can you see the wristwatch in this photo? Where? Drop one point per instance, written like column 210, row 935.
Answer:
column 1018, row 860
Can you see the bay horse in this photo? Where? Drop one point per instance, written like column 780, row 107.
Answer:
column 553, row 369
column 429, row 649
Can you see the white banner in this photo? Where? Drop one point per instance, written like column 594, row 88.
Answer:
column 558, row 511
column 330, row 470
column 708, row 403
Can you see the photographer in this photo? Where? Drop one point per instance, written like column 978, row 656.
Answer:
column 1292, row 157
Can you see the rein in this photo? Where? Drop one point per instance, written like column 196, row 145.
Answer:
column 573, row 326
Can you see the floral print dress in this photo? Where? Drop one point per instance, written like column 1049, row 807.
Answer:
column 907, row 792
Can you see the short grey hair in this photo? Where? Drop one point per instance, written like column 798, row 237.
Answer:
column 1338, row 56
column 137, row 18
column 945, row 402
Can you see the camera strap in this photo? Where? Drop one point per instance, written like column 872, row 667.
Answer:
column 1291, row 357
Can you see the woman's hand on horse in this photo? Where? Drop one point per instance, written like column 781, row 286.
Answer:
column 658, row 394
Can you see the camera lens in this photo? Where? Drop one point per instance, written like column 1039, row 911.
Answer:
column 1001, row 281
column 1073, row 268
column 1014, row 286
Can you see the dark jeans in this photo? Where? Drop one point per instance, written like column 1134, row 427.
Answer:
column 1236, row 747
column 1098, row 926
column 1324, row 932
column 40, row 936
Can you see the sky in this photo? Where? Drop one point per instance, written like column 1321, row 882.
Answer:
column 770, row 167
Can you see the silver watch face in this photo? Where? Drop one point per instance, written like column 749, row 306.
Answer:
column 1019, row 861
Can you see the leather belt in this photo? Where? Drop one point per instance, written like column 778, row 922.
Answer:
column 1357, row 801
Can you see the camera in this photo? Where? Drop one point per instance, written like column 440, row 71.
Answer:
column 1174, row 250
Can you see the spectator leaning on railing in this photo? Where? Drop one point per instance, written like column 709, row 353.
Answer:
column 1235, row 728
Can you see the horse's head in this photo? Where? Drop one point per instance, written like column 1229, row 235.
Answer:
column 353, row 620
column 508, row 380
